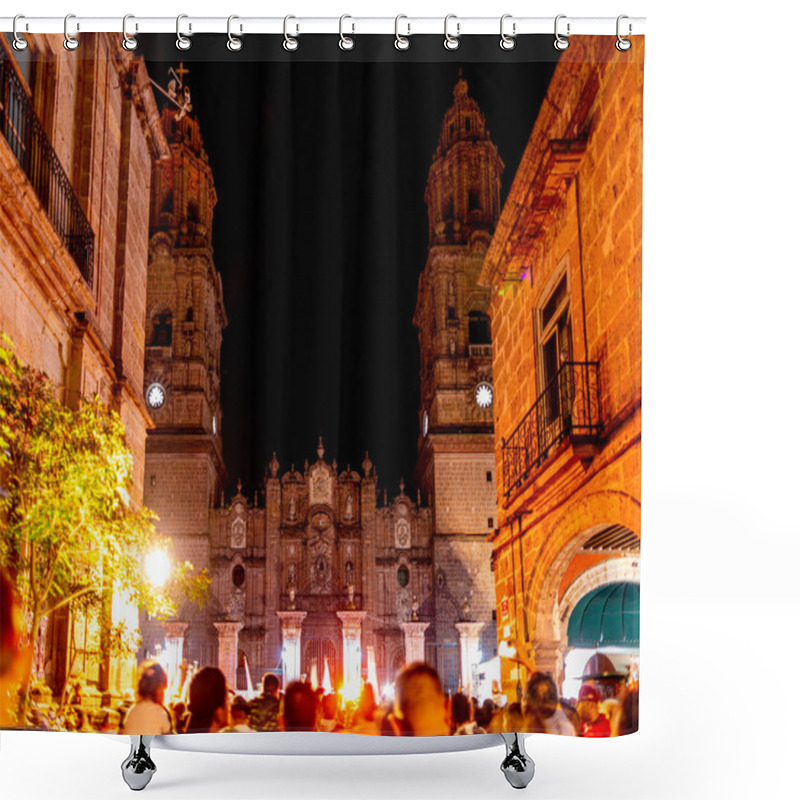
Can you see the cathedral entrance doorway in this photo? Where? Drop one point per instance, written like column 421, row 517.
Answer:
column 320, row 663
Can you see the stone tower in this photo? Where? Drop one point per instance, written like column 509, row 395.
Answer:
column 184, row 468
column 456, row 462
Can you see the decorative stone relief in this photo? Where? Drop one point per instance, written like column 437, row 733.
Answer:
column 238, row 534
column 402, row 534
column 321, row 486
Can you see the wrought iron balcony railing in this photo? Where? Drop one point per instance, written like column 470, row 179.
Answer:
column 26, row 137
column 569, row 406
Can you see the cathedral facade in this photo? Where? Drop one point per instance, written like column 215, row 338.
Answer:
column 319, row 573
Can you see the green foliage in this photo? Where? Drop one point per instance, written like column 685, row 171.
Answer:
column 68, row 529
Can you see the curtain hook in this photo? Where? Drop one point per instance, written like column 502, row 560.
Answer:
column 129, row 42
column 401, row 42
column 561, row 42
column 20, row 42
column 346, row 42
column 507, row 42
column 182, row 42
column 452, row 42
column 289, row 42
column 623, row 44
column 70, row 42
column 234, row 43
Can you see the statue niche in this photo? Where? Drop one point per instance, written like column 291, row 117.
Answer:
column 319, row 543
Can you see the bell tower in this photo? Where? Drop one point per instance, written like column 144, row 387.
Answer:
column 456, row 461
column 184, row 468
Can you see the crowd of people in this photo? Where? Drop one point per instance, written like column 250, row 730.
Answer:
column 607, row 704
column 420, row 708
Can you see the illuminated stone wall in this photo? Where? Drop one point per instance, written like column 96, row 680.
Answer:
column 575, row 209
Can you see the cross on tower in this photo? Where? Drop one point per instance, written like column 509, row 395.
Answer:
column 180, row 72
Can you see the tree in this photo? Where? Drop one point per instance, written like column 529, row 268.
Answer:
column 69, row 532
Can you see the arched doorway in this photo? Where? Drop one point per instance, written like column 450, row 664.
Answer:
column 317, row 653
column 570, row 566
column 605, row 620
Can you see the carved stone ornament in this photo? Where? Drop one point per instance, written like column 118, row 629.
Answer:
column 402, row 534
column 238, row 534
column 320, row 486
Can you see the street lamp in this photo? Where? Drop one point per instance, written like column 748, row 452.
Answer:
column 157, row 567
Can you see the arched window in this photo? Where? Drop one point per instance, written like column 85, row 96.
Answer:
column 162, row 329
column 479, row 328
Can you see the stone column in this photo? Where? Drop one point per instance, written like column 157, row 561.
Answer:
column 228, row 649
column 174, row 634
column 469, row 646
column 547, row 656
column 414, row 640
column 351, row 651
column 291, row 628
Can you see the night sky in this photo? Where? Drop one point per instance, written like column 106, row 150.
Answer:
column 320, row 161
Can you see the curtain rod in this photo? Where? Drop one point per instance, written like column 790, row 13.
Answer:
column 406, row 25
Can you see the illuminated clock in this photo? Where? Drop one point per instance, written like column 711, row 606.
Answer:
column 484, row 394
column 424, row 424
column 156, row 395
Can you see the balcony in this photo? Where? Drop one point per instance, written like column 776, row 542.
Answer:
column 480, row 351
column 23, row 132
column 569, row 407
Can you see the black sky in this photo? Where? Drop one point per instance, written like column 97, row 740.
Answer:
column 320, row 161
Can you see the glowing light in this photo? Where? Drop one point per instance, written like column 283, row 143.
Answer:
column 156, row 395
column 484, row 395
column 314, row 679
column 350, row 692
column 388, row 691
column 326, row 679
column 372, row 670
column 249, row 679
column 506, row 649
column 157, row 567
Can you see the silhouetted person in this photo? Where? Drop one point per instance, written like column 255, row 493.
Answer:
column 299, row 708
column 15, row 662
column 209, row 701
column 265, row 709
column 240, row 716
column 462, row 712
column 420, row 705
column 594, row 724
column 365, row 720
column 329, row 711
column 542, row 711
column 149, row 717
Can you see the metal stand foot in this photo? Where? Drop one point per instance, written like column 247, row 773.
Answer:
column 138, row 768
column 517, row 766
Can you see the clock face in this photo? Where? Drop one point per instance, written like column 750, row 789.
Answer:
column 424, row 423
column 156, row 395
column 484, row 395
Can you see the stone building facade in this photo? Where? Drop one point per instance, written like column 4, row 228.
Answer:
column 185, row 317
column 455, row 467
column 564, row 269
column 313, row 572
column 78, row 139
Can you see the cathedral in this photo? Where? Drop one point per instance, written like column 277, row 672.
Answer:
column 322, row 573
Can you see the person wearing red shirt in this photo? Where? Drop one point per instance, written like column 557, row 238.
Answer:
column 594, row 724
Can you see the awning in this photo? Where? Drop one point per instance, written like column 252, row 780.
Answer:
column 606, row 617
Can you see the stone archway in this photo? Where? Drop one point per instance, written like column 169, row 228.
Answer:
column 556, row 542
column 614, row 570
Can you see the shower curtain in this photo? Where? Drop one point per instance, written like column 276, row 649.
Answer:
column 320, row 385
